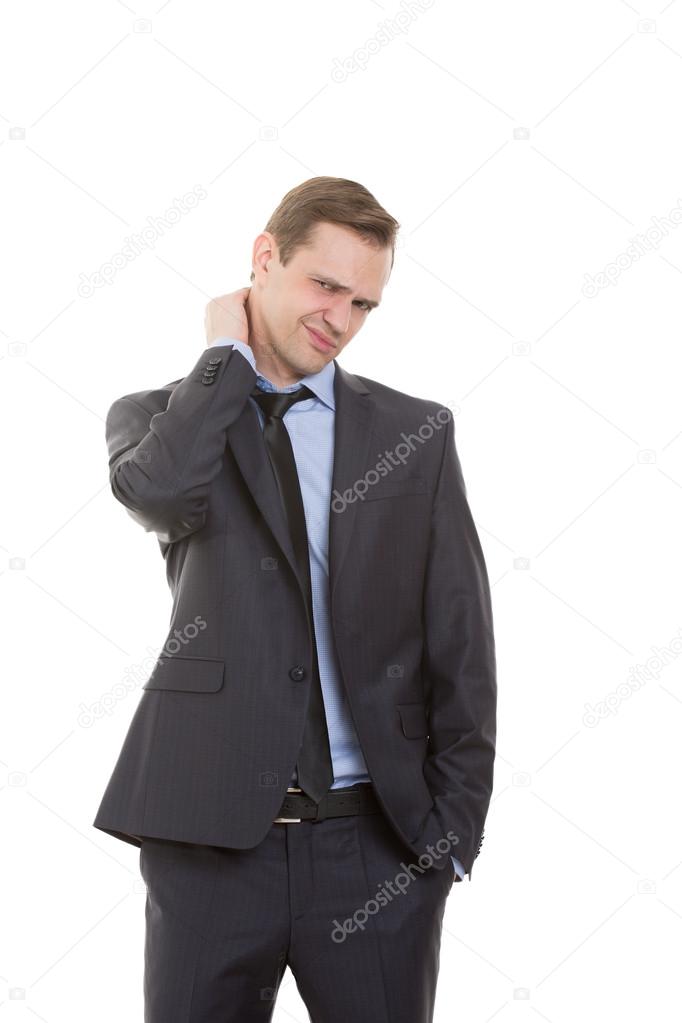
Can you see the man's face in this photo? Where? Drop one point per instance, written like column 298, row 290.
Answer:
column 328, row 286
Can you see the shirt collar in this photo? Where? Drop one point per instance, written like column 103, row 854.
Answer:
column 321, row 384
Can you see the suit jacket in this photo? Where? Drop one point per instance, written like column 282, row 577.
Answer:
column 214, row 739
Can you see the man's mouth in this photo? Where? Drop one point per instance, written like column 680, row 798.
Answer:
column 320, row 342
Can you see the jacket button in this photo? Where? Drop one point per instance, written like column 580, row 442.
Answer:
column 207, row 381
column 297, row 673
column 215, row 361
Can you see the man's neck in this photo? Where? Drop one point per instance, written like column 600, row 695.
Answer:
column 270, row 366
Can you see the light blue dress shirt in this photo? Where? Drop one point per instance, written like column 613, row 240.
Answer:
column 310, row 424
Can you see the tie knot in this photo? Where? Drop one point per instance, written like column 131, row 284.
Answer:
column 275, row 404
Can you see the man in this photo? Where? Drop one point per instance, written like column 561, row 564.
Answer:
column 311, row 762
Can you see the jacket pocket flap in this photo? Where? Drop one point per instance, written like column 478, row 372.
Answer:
column 187, row 674
column 389, row 487
column 413, row 719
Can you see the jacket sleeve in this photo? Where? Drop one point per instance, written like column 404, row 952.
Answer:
column 458, row 665
column 164, row 452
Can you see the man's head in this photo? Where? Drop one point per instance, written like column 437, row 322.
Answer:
column 320, row 264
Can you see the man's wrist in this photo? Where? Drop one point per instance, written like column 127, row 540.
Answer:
column 458, row 868
column 238, row 345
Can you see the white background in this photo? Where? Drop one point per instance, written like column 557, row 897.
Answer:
column 522, row 146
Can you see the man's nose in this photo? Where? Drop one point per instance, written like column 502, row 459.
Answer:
column 337, row 317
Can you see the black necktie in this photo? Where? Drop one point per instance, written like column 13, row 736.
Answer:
column 314, row 765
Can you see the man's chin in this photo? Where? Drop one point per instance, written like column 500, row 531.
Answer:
column 311, row 361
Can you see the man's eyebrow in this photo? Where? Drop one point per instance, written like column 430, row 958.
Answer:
column 344, row 288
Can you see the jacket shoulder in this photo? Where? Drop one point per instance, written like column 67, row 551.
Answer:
column 391, row 399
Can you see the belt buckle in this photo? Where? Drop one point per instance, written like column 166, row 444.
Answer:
column 289, row 820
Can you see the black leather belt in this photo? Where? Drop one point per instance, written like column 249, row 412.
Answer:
column 297, row 807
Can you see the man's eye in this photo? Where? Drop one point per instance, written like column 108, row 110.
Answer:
column 325, row 284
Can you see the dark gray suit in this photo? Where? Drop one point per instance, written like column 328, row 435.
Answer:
column 213, row 742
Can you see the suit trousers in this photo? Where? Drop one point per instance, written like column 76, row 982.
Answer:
column 341, row 901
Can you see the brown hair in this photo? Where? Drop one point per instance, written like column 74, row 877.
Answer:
column 335, row 201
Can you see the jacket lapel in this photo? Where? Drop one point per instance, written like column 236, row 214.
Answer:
column 353, row 424
column 353, row 421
